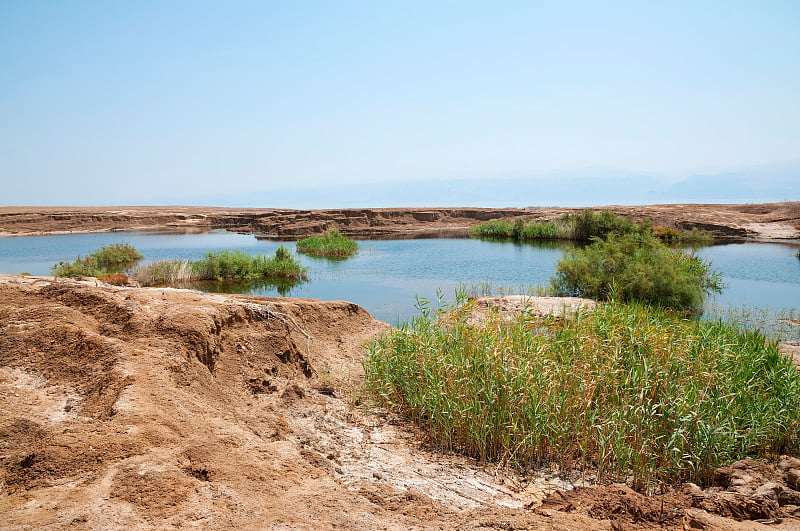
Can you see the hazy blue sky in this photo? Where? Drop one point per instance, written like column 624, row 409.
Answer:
column 148, row 101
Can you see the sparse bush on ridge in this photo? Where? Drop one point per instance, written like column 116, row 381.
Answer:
column 637, row 393
column 223, row 266
column 636, row 267
column 333, row 244
column 108, row 259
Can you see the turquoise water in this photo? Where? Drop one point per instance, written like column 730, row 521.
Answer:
column 387, row 275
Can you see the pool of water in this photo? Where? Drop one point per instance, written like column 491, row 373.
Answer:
column 386, row 275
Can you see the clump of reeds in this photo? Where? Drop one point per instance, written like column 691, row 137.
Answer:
column 585, row 225
column 332, row 244
column 223, row 266
column 518, row 230
column 108, row 259
column 638, row 394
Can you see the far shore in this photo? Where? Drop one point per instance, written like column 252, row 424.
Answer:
column 767, row 221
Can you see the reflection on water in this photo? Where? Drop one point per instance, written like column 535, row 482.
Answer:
column 386, row 275
column 282, row 286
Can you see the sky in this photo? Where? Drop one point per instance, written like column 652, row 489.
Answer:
column 189, row 102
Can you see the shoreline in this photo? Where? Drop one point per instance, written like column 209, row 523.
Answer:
column 767, row 221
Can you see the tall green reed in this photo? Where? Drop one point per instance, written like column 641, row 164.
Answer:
column 638, row 394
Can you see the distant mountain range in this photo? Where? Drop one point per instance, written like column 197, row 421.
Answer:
column 586, row 187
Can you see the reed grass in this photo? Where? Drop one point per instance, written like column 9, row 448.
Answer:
column 223, row 266
column 519, row 231
column 635, row 393
column 638, row 394
column 332, row 244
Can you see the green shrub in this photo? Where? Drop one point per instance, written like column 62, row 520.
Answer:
column 636, row 268
column 223, row 266
column 588, row 224
column 636, row 393
column 332, row 244
column 108, row 259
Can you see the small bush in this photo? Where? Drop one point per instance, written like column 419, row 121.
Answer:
column 636, row 393
column 636, row 268
column 114, row 258
column 588, row 224
column 333, row 244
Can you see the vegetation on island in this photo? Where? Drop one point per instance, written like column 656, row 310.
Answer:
column 585, row 225
column 224, row 266
column 109, row 259
column 632, row 392
column 332, row 244
column 636, row 267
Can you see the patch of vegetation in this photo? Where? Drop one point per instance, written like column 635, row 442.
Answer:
column 503, row 229
column 108, row 259
column 636, row 393
column 585, row 225
column 333, row 244
column 224, row 266
column 636, row 267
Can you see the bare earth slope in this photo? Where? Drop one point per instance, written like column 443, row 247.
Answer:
column 125, row 407
column 773, row 220
column 132, row 407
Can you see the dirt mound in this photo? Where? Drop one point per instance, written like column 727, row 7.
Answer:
column 621, row 504
column 749, row 492
column 129, row 407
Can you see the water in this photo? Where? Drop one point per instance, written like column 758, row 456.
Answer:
column 386, row 276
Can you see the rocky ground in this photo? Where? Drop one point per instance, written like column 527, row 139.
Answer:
column 768, row 221
column 149, row 407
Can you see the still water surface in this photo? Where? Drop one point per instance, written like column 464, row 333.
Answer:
column 386, row 276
